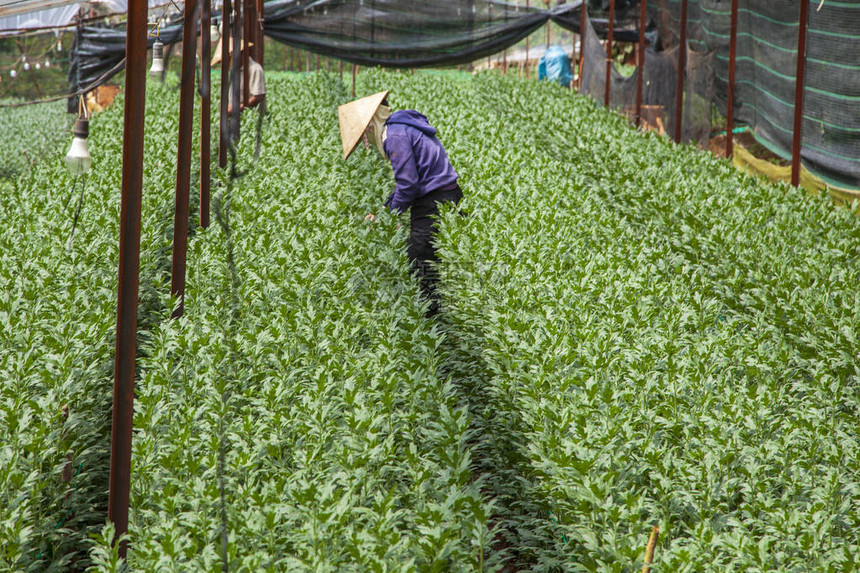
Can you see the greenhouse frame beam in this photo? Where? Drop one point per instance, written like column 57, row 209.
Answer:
column 682, row 72
column 797, row 133
column 640, row 72
column 608, row 88
column 205, row 110
column 183, row 161
column 582, row 18
column 223, row 119
column 730, row 98
column 129, row 270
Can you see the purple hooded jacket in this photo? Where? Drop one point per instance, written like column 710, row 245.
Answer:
column 418, row 158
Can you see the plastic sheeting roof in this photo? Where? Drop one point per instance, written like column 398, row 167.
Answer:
column 22, row 15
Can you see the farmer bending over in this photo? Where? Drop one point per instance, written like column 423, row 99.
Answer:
column 424, row 178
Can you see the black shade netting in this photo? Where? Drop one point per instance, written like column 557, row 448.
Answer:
column 396, row 33
column 97, row 54
column 766, row 68
column 627, row 20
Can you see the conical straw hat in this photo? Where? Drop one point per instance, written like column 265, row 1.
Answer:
column 354, row 117
column 216, row 58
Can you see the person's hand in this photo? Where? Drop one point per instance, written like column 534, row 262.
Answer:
column 370, row 217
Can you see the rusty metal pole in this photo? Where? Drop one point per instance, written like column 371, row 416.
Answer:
column 129, row 268
column 205, row 109
column 223, row 119
column 797, row 134
column 730, row 96
column 608, row 89
column 583, row 16
column 682, row 72
column 183, row 161
column 527, row 47
column 260, row 10
column 548, row 30
column 248, row 35
column 640, row 73
column 235, row 74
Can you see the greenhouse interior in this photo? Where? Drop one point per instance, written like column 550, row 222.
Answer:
column 449, row 286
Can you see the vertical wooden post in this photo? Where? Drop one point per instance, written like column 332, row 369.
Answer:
column 606, row 92
column 730, row 96
column 583, row 16
column 682, row 72
column 129, row 269
column 640, row 73
column 205, row 110
column 797, row 134
column 223, row 119
column 183, row 160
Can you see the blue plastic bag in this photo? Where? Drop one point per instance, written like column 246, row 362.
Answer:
column 555, row 66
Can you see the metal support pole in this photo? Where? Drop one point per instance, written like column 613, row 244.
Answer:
column 129, row 268
column 640, row 73
column 205, row 109
column 248, row 35
column 505, row 61
column 183, row 161
column 730, row 97
column 235, row 74
column 682, row 72
column 797, row 134
column 606, row 92
column 260, row 11
column 354, row 72
column 527, row 47
column 340, row 69
column 548, row 29
column 223, row 119
column 583, row 16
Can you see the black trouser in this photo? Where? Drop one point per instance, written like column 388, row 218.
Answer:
column 420, row 246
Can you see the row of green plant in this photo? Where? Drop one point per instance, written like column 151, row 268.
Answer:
column 57, row 317
column 632, row 335
column 646, row 338
column 295, row 418
column 32, row 134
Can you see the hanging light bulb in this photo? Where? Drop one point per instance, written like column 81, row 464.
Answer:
column 47, row 63
column 214, row 34
column 38, row 66
column 13, row 73
column 26, row 66
column 78, row 158
column 157, row 68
